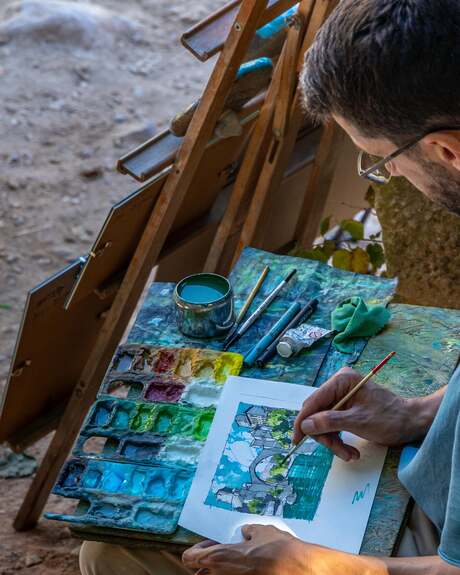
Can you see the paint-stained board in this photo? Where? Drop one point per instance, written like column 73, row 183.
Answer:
column 51, row 350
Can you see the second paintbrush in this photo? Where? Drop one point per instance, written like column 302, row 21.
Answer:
column 258, row 312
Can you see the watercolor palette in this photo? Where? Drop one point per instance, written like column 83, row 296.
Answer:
column 141, row 497
column 136, row 454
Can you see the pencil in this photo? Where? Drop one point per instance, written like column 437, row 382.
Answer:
column 344, row 399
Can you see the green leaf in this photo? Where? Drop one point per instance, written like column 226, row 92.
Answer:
column 316, row 254
column 355, row 229
column 329, row 247
column 360, row 261
column 376, row 255
column 342, row 260
column 325, row 225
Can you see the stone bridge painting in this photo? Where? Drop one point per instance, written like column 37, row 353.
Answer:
column 251, row 478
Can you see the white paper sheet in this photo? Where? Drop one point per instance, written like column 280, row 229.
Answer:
column 319, row 498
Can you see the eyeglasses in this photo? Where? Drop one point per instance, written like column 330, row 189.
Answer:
column 375, row 170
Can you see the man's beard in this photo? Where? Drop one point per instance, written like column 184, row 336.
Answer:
column 443, row 188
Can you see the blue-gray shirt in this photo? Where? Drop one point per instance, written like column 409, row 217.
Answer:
column 433, row 475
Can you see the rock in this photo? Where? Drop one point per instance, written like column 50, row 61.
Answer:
column 421, row 243
column 134, row 134
column 73, row 23
column 32, row 559
column 120, row 118
column 86, row 153
column 92, row 172
column 15, row 464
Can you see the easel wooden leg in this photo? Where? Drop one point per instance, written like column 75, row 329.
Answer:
column 247, row 174
column 273, row 169
column 153, row 238
column 319, row 184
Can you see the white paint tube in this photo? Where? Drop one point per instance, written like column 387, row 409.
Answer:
column 299, row 338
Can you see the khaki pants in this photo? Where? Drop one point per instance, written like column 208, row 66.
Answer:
column 419, row 538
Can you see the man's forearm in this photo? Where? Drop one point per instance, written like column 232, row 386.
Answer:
column 432, row 565
column 363, row 565
column 424, row 410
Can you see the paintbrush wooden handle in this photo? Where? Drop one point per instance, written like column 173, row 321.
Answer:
column 344, row 399
column 253, row 294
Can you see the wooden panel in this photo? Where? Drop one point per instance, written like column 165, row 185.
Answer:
column 116, row 242
column 150, row 157
column 160, row 152
column 208, row 36
column 51, row 350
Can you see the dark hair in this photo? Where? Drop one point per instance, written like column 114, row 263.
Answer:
column 389, row 67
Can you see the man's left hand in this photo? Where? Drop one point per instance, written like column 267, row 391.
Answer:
column 265, row 550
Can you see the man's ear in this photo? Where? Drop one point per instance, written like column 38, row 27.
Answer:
column 445, row 147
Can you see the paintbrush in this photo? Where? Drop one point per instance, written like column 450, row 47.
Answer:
column 342, row 402
column 243, row 328
column 248, row 302
column 303, row 314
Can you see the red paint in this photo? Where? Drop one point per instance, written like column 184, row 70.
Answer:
column 165, row 361
column 164, row 391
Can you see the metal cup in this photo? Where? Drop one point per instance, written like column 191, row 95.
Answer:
column 204, row 319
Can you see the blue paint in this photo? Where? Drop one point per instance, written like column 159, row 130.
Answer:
column 101, row 416
column 137, row 482
column 200, row 294
column 254, row 65
column 361, row 494
column 121, row 419
column 124, row 363
column 113, row 482
column 156, row 486
column 277, row 24
column 203, row 288
column 72, row 475
column 150, row 520
column 92, row 479
column 179, row 487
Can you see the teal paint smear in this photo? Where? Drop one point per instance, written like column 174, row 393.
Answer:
column 253, row 66
column 361, row 494
column 419, row 367
column 277, row 24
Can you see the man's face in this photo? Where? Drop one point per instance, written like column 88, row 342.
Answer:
column 427, row 167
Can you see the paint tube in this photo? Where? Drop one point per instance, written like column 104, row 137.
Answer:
column 299, row 338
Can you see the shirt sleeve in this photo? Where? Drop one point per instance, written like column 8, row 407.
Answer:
column 449, row 549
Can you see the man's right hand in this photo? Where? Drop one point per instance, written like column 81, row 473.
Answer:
column 373, row 413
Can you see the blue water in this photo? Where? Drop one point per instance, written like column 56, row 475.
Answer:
column 200, row 293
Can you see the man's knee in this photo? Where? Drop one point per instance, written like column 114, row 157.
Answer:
column 101, row 559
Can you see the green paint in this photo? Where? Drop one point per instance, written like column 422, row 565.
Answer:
column 203, row 424
column 163, row 420
column 143, row 420
column 203, row 289
column 360, row 494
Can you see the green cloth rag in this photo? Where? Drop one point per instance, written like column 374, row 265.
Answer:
column 354, row 318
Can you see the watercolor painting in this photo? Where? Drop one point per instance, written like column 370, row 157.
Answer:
column 251, row 476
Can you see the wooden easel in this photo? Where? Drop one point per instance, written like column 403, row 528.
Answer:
column 268, row 151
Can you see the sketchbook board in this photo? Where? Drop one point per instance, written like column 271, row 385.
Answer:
column 51, row 349
column 241, row 478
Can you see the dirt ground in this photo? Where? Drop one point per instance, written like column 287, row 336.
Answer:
column 81, row 83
